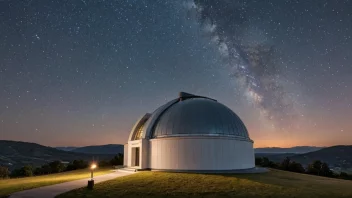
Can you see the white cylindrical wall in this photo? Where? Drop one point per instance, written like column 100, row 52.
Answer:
column 200, row 153
column 125, row 155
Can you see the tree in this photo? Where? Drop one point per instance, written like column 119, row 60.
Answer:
column 104, row 163
column 38, row 171
column 77, row 164
column 56, row 167
column 117, row 160
column 258, row 161
column 273, row 164
column 46, row 169
column 314, row 168
column 325, row 170
column 319, row 168
column 344, row 175
column 296, row 167
column 285, row 164
column 16, row 173
column 25, row 171
column 4, row 172
column 265, row 162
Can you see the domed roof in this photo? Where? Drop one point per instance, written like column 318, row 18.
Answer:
column 191, row 115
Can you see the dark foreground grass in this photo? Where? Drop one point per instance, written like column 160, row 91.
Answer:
column 9, row 186
column 273, row 184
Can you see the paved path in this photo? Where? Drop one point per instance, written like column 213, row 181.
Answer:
column 54, row 190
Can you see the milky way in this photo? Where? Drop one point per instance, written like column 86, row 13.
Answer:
column 253, row 62
column 82, row 72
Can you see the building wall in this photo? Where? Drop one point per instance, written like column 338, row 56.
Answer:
column 125, row 154
column 200, row 153
column 144, row 154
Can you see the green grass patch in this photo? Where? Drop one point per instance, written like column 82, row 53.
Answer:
column 272, row 184
column 8, row 186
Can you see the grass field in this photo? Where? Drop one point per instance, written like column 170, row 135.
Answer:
column 272, row 184
column 8, row 186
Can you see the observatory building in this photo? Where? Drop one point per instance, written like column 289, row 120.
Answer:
column 190, row 133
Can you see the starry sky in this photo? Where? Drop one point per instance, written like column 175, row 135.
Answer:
column 81, row 72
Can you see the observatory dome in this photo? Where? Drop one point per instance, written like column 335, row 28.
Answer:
column 190, row 133
column 199, row 116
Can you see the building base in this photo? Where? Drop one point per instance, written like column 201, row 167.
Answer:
column 238, row 171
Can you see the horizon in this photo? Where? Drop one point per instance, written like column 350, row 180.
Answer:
column 75, row 73
column 78, row 146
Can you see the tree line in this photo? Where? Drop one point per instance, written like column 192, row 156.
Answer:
column 317, row 167
column 56, row 167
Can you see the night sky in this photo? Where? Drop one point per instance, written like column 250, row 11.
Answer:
column 81, row 72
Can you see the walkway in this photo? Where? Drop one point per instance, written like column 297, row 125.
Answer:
column 54, row 190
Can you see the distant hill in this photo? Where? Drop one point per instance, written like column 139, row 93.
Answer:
column 339, row 158
column 296, row 149
column 112, row 149
column 66, row 148
column 15, row 154
column 275, row 157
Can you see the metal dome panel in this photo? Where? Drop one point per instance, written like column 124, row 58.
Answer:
column 198, row 117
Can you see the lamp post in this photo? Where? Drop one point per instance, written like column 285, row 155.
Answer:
column 92, row 167
column 91, row 181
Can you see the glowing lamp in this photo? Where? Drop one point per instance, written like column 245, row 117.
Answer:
column 93, row 166
column 91, row 181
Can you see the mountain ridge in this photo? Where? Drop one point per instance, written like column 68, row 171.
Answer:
column 15, row 154
column 339, row 157
column 295, row 149
column 100, row 149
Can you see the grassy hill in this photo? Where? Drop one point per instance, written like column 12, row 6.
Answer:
column 9, row 186
column 272, row 184
column 112, row 149
column 15, row 154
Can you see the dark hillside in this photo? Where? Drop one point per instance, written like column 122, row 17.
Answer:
column 15, row 154
column 112, row 149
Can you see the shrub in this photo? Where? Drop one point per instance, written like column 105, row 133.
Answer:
column 117, row 160
column 104, row 163
column 325, row 170
column 314, row 168
column 344, row 175
column 56, row 167
column 296, row 167
column 266, row 162
column 25, row 171
column 285, row 164
column 46, row 169
column 4, row 172
column 319, row 168
column 258, row 161
column 38, row 171
column 77, row 164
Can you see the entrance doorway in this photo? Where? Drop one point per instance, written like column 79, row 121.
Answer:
column 136, row 163
column 135, row 156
